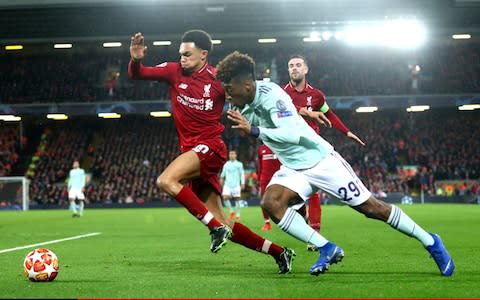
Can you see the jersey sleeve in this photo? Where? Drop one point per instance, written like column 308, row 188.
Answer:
column 284, row 116
column 336, row 122
column 163, row 72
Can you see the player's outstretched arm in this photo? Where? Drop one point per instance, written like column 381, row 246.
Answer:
column 355, row 138
column 317, row 116
column 137, row 47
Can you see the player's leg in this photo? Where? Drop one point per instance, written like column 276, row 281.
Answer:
column 314, row 216
column 227, row 195
column 236, row 193
column 397, row 219
column 266, row 218
column 266, row 221
column 280, row 202
column 335, row 176
column 81, row 203
column 73, row 207
column 243, row 235
column 186, row 167
column 72, row 194
column 81, row 206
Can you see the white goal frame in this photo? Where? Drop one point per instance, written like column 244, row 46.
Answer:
column 25, row 188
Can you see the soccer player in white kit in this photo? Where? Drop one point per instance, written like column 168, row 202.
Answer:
column 264, row 110
column 232, row 179
column 76, row 184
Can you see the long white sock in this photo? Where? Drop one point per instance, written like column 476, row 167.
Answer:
column 237, row 208
column 294, row 224
column 81, row 205
column 228, row 204
column 402, row 222
column 73, row 207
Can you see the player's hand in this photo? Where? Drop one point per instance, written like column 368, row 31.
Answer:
column 137, row 47
column 320, row 118
column 355, row 138
column 239, row 121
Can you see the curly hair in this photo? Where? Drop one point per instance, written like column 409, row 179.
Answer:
column 201, row 39
column 236, row 65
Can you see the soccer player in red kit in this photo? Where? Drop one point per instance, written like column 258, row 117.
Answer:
column 197, row 100
column 267, row 165
column 309, row 100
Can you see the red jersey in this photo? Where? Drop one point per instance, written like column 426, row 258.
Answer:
column 313, row 99
column 197, row 100
column 268, row 164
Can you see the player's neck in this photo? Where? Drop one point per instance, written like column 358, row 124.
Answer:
column 199, row 67
column 299, row 86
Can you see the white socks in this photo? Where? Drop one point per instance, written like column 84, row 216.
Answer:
column 237, row 208
column 401, row 222
column 294, row 224
column 228, row 204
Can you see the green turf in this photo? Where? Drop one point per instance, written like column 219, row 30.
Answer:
column 165, row 253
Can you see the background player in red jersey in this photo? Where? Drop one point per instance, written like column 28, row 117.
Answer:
column 308, row 101
column 197, row 103
column 267, row 165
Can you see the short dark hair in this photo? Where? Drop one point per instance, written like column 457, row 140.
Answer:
column 202, row 39
column 236, row 65
column 298, row 56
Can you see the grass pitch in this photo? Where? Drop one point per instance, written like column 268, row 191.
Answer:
column 160, row 253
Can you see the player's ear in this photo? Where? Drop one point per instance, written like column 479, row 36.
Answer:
column 204, row 54
column 248, row 84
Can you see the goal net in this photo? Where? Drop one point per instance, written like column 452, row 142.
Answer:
column 14, row 193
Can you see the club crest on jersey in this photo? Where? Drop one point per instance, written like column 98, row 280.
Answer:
column 281, row 105
column 206, row 90
column 283, row 112
column 309, row 101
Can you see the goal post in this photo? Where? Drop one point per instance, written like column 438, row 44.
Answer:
column 14, row 192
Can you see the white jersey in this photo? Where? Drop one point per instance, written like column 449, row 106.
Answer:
column 283, row 130
column 76, row 179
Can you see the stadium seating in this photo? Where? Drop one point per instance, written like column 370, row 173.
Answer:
column 337, row 70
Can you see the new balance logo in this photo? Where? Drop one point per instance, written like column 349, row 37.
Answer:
column 183, row 86
column 208, row 104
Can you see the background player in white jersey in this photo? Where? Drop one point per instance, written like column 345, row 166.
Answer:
column 309, row 163
column 76, row 185
column 232, row 179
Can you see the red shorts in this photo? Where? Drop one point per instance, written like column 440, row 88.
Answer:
column 212, row 155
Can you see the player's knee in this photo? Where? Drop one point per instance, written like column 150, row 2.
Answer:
column 270, row 201
column 376, row 209
column 165, row 183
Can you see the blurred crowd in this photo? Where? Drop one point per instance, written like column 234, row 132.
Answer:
column 10, row 144
column 123, row 158
column 336, row 69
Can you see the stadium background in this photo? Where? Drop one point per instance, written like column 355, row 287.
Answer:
column 124, row 156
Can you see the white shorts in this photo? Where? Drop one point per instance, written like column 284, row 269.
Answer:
column 333, row 175
column 76, row 194
column 231, row 192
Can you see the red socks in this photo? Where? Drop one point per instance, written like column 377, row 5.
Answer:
column 244, row 236
column 314, row 212
column 195, row 206
column 265, row 215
